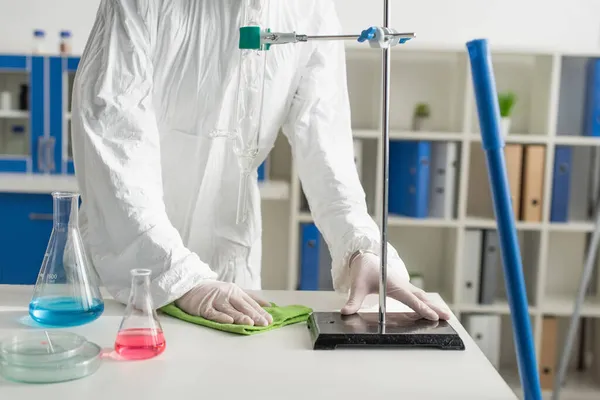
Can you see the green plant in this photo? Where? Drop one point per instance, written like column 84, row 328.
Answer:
column 422, row 110
column 506, row 102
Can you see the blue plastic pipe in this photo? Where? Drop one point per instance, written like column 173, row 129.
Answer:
column 486, row 98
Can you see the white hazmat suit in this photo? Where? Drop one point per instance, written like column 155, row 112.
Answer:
column 158, row 191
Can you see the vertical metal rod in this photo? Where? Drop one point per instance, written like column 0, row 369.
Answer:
column 385, row 143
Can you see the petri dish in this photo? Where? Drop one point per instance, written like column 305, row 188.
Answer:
column 85, row 362
column 34, row 347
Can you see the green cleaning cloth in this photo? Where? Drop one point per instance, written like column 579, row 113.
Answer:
column 282, row 316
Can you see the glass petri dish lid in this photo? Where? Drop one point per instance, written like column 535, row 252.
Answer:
column 36, row 347
column 85, row 362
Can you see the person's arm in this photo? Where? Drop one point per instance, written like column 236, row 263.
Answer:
column 319, row 131
column 320, row 134
column 117, row 158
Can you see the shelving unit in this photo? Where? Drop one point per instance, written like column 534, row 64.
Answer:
column 14, row 114
column 21, row 85
column 441, row 77
column 548, row 109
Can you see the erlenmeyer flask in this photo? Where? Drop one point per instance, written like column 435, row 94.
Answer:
column 67, row 291
column 140, row 334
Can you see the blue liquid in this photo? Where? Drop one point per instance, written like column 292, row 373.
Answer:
column 64, row 311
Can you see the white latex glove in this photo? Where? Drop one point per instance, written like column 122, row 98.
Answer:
column 364, row 274
column 225, row 303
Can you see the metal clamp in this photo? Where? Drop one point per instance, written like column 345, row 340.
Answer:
column 384, row 37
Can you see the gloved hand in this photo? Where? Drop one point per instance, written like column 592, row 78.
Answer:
column 225, row 303
column 364, row 275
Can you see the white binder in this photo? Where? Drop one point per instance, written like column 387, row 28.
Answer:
column 472, row 266
column 490, row 266
column 442, row 191
column 486, row 331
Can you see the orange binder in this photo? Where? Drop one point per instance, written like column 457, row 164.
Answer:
column 548, row 352
column 513, row 154
column 533, row 183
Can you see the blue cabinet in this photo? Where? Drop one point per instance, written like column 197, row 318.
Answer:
column 26, row 227
column 315, row 260
column 27, row 109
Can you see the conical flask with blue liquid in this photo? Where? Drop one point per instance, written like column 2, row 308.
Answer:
column 67, row 292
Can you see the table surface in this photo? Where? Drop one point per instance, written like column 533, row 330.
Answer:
column 273, row 365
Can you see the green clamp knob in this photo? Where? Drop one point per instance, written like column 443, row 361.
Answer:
column 251, row 38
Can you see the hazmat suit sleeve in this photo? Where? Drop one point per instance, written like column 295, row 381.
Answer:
column 117, row 159
column 320, row 134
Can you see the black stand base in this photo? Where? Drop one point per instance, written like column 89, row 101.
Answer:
column 330, row 330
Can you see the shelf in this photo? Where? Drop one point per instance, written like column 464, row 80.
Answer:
column 274, row 190
column 483, row 223
column 358, row 48
column 577, row 140
column 355, row 48
column 426, row 135
column 426, row 222
column 475, row 223
column 30, row 183
column 562, row 306
column 498, row 307
column 519, row 138
column 572, row 226
column 14, row 114
column 39, row 184
column 305, row 217
column 408, row 135
column 366, row 134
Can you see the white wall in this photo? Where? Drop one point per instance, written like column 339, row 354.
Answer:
column 561, row 23
column 18, row 19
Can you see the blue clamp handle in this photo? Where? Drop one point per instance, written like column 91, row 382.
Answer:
column 367, row 34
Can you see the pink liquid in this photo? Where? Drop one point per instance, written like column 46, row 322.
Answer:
column 139, row 344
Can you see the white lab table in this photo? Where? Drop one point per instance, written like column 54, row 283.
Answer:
column 201, row 363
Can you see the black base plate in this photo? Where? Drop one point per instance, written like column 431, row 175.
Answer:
column 330, row 330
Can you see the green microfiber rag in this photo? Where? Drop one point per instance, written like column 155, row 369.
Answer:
column 282, row 316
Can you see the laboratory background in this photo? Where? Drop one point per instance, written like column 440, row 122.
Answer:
column 546, row 60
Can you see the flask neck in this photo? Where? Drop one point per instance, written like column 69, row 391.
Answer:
column 66, row 209
column 140, row 292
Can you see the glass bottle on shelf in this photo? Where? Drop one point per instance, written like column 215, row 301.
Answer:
column 140, row 335
column 38, row 41
column 67, row 291
column 65, row 43
column 5, row 101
